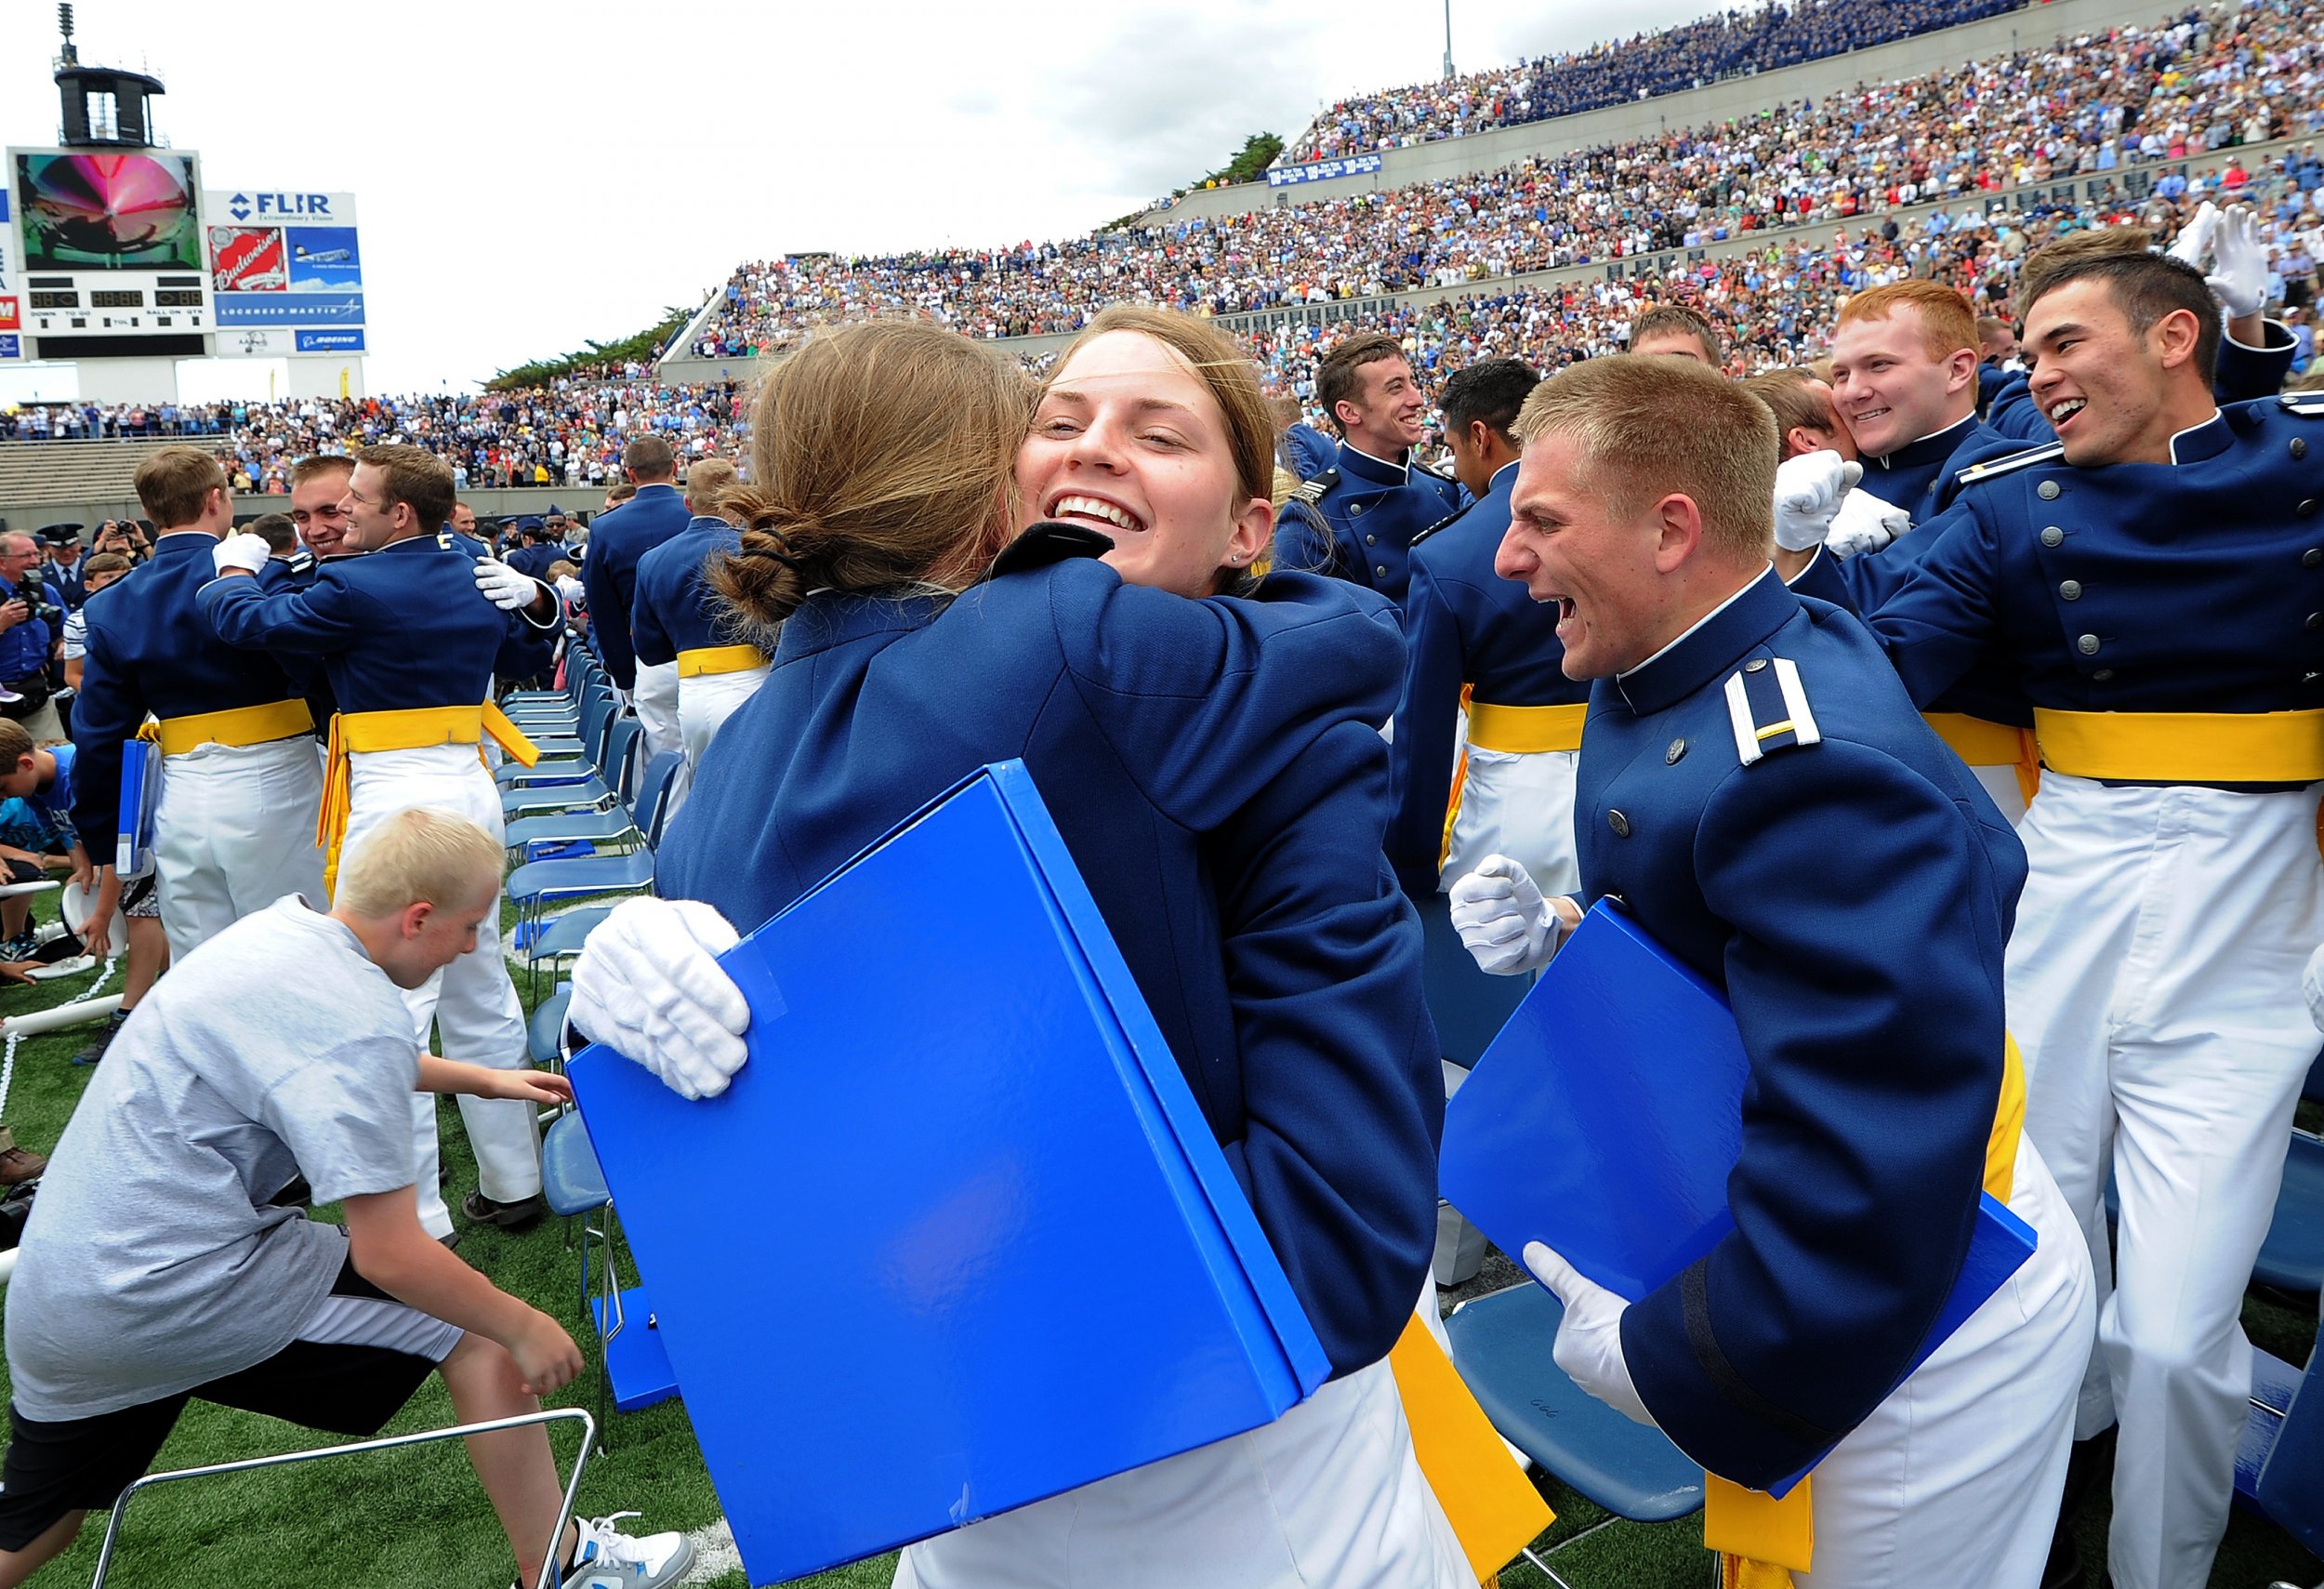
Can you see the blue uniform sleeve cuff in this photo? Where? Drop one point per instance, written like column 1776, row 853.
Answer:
column 1699, row 1399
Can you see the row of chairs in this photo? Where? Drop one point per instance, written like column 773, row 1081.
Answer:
column 582, row 824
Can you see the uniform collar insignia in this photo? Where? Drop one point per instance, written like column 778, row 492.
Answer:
column 1711, row 648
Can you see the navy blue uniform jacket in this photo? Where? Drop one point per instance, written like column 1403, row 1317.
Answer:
column 1216, row 769
column 2193, row 586
column 676, row 610
column 609, row 574
column 1463, row 624
column 151, row 649
column 1374, row 511
column 1850, row 887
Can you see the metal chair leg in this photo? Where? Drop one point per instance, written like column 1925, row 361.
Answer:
column 107, row 1551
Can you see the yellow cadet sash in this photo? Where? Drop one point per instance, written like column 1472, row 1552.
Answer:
column 1981, row 743
column 413, row 728
column 1518, row 731
column 1493, row 1510
column 238, row 725
column 718, row 659
column 2183, row 746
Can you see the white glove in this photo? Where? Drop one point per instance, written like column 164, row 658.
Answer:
column 1864, row 524
column 2312, row 986
column 648, row 985
column 1808, row 493
column 1590, row 1337
column 245, row 551
column 2238, row 279
column 504, row 587
column 2193, row 239
column 1503, row 921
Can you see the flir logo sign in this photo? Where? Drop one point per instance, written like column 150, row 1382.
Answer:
column 281, row 206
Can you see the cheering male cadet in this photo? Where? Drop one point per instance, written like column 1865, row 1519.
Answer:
column 678, row 620
column 610, row 576
column 1474, row 639
column 2154, row 580
column 1375, row 498
column 410, row 649
column 235, row 828
column 1767, row 804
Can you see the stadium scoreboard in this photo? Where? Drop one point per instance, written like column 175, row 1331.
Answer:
column 104, row 252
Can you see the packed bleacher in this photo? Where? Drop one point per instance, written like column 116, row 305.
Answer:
column 568, row 433
column 1666, row 61
column 2084, row 107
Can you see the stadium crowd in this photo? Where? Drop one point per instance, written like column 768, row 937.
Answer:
column 1666, row 61
column 568, row 433
column 2082, row 107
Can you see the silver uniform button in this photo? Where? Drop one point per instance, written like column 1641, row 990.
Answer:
column 1357, row 508
column 1755, row 665
column 2071, row 590
column 2103, row 674
column 1371, row 540
column 2088, row 646
column 1620, row 822
column 1678, row 749
column 2052, row 535
column 1379, row 568
column 2047, row 491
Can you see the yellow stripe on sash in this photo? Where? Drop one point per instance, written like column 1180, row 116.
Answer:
column 1526, row 730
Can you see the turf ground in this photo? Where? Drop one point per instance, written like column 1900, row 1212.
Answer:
column 415, row 1519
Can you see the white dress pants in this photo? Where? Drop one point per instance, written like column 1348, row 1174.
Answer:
column 656, row 700
column 1329, row 1494
column 1955, row 1478
column 1518, row 804
column 2153, row 985
column 235, row 832
column 705, row 700
column 471, row 1002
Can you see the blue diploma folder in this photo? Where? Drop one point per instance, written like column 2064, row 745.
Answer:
column 958, row 1238
column 140, row 796
column 1605, row 1117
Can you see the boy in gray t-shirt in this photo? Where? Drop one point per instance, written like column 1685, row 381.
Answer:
column 154, row 1268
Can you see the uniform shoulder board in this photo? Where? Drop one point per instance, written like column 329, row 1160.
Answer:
column 1767, row 707
column 1312, row 491
column 1446, row 521
column 301, row 560
column 2307, row 404
column 2010, row 463
column 444, row 540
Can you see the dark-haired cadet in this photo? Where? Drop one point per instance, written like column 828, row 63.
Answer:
column 1509, row 789
column 2152, row 580
column 1375, row 497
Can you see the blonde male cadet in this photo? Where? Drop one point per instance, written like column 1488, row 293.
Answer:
column 1761, row 796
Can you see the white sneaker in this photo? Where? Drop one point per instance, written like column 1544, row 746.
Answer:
column 606, row 1558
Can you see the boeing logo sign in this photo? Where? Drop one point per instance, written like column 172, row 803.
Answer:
column 281, row 207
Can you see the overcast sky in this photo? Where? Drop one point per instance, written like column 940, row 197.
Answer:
column 534, row 176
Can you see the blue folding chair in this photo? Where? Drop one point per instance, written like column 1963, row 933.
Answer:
column 641, row 819
column 1502, row 1345
column 597, row 790
column 2280, row 1464
column 2292, row 1258
column 558, row 939
column 634, row 1368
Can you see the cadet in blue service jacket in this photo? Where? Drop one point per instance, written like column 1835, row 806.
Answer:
column 617, row 541
column 1473, row 640
column 678, row 620
column 1375, row 498
column 410, row 645
column 2151, row 580
column 1770, row 808
column 235, row 827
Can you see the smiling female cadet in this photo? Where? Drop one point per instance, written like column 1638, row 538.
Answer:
column 1215, row 768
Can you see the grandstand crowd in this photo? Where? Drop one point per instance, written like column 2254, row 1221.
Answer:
column 1664, row 62
column 2189, row 87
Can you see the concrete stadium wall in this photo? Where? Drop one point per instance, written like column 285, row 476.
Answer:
column 2031, row 29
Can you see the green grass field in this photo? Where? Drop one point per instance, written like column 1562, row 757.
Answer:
column 416, row 1517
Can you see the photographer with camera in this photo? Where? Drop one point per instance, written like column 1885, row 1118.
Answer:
column 32, row 622
column 126, row 536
